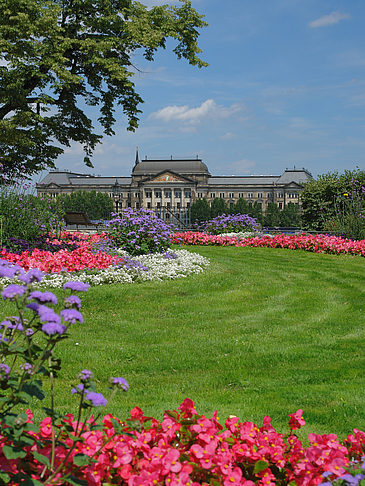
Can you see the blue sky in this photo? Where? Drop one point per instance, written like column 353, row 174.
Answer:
column 285, row 87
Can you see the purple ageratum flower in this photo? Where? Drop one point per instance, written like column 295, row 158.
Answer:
column 29, row 332
column 27, row 368
column 13, row 291
column 77, row 286
column 73, row 300
column 120, row 383
column 10, row 271
column 33, row 275
column 85, row 375
column 12, row 323
column 52, row 328
column 71, row 315
column 43, row 297
column 96, row 399
column 80, row 389
column 4, row 371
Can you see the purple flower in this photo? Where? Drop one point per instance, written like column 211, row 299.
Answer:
column 52, row 328
column 10, row 272
column 12, row 323
column 43, row 296
column 77, row 286
column 78, row 389
column 120, row 383
column 33, row 275
column 71, row 315
column 96, row 399
column 85, row 375
column 12, row 291
column 73, row 300
column 27, row 368
column 4, row 371
column 29, row 331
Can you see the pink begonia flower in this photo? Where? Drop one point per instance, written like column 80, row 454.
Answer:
column 296, row 420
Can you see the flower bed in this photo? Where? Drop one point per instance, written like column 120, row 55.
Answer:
column 185, row 448
column 96, row 261
column 316, row 244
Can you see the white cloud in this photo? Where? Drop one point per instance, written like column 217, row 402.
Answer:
column 330, row 19
column 208, row 109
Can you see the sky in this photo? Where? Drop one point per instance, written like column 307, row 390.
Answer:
column 285, row 87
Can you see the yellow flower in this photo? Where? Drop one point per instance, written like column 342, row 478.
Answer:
column 345, row 194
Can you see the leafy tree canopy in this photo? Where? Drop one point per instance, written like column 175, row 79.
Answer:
column 200, row 211
column 57, row 55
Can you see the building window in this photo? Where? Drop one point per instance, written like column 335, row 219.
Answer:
column 292, row 194
column 178, row 193
column 167, row 194
column 188, row 205
column 187, row 193
column 148, row 194
column 269, row 194
column 168, row 204
column 148, row 205
column 241, row 194
column 280, row 205
column 212, row 195
column 178, row 205
column 158, row 193
column 200, row 195
column 231, row 195
column 221, row 195
column 136, row 194
column 137, row 205
column 158, row 204
column 250, row 195
column 280, row 194
column 259, row 195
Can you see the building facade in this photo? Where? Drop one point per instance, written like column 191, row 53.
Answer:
column 175, row 184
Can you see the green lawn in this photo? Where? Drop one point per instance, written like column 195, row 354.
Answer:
column 261, row 332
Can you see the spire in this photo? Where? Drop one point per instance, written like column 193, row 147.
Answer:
column 137, row 158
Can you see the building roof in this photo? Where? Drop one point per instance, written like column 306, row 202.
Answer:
column 186, row 166
column 71, row 178
column 242, row 180
column 300, row 176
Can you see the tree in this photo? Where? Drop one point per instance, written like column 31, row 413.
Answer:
column 96, row 205
column 290, row 216
column 199, row 211
column 218, row 207
column 58, row 55
column 272, row 215
column 241, row 207
column 319, row 197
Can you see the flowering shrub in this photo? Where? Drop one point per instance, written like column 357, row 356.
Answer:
column 27, row 345
column 139, row 232
column 229, row 223
column 317, row 244
column 184, row 448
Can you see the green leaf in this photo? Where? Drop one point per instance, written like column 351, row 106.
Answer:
column 116, row 425
column 11, row 452
column 76, row 481
column 41, row 458
column 260, row 466
column 81, row 459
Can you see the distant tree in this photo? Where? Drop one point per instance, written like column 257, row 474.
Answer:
column 318, row 198
column 290, row 216
column 199, row 211
column 255, row 211
column 218, row 207
column 241, row 207
column 97, row 205
column 272, row 215
column 56, row 56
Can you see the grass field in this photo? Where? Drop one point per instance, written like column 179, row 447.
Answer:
column 261, row 332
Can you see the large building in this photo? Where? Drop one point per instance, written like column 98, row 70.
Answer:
column 176, row 184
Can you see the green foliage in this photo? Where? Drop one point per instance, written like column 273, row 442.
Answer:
column 97, row 205
column 27, row 217
column 255, row 211
column 272, row 215
column 320, row 197
column 290, row 216
column 60, row 55
column 199, row 211
column 218, row 207
column 241, row 207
